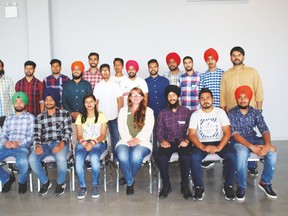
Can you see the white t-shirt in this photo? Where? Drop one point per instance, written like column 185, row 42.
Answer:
column 127, row 84
column 118, row 79
column 209, row 125
column 107, row 94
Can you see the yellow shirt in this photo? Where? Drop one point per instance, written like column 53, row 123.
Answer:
column 232, row 79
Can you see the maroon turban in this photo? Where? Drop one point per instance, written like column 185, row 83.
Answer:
column 132, row 63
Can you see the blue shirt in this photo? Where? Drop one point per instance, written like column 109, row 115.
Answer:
column 244, row 124
column 156, row 88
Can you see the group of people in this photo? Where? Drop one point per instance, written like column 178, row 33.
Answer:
column 187, row 112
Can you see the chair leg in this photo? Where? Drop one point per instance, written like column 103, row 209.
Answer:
column 72, row 178
column 159, row 180
column 38, row 184
column 31, row 181
column 104, row 175
column 117, row 176
column 0, row 186
column 150, row 177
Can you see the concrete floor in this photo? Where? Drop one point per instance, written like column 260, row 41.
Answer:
column 142, row 203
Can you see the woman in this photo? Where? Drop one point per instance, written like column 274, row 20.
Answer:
column 91, row 135
column 135, row 124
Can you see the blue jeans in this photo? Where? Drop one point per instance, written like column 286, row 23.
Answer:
column 243, row 154
column 227, row 153
column 21, row 155
column 60, row 158
column 130, row 160
column 114, row 134
column 94, row 157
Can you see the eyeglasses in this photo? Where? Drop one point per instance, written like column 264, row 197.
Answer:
column 136, row 96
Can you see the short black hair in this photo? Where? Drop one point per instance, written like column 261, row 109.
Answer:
column 104, row 65
column 55, row 61
column 153, row 61
column 187, row 57
column 239, row 49
column 93, row 54
column 2, row 63
column 33, row 64
column 118, row 59
column 205, row 90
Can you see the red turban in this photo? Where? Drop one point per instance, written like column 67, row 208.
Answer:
column 245, row 90
column 174, row 56
column 132, row 63
column 211, row 52
column 79, row 64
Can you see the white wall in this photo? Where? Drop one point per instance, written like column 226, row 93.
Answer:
column 142, row 30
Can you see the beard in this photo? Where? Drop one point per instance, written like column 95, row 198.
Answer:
column 238, row 62
column 206, row 107
column 132, row 75
column 2, row 72
column 77, row 77
column 153, row 72
column 173, row 68
column 188, row 69
column 243, row 107
column 19, row 109
column 173, row 105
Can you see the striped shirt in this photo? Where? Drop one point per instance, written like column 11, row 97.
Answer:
column 18, row 128
column 173, row 79
column 212, row 81
column 6, row 92
column 93, row 78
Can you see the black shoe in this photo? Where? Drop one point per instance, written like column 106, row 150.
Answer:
column 88, row 165
column 240, row 193
column 122, row 181
column 13, row 168
column 253, row 171
column 186, row 192
column 267, row 188
column 229, row 193
column 130, row 189
column 60, row 189
column 207, row 164
column 7, row 185
column 44, row 188
column 165, row 191
column 199, row 193
column 22, row 188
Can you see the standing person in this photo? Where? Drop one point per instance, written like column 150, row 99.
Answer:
column 56, row 80
column 6, row 93
column 91, row 135
column 172, row 125
column 93, row 74
column 209, row 131
column 52, row 136
column 109, row 100
column 156, row 86
column 33, row 88
column 173, row 61
column 189, row 85
column 15, row 140
column 244, row 118
column 118, row 64
column 136, row 122
column 132, row 81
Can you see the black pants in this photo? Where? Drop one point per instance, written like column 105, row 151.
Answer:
column 2, row 119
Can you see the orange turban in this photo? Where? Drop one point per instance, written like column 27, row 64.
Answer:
column 174, row 56
column 245, row 90
column 211, row 52
column 79, row 64
column 132, row 63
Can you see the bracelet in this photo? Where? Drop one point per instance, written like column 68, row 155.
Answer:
column 82, row 141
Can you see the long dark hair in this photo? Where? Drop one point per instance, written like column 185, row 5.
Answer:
column 140, row 114
column 84, row 114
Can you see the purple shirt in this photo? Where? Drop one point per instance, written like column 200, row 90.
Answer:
column 172, row 126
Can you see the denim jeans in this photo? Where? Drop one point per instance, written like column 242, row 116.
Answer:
column 114, row 134
column 21, row 155
column 60, row 158
column 94, row 157
column 227, row 153
column 130, row 160
column 164, row 155
column 243, row 154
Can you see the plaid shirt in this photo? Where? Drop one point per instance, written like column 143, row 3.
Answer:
column 6, row 93
column 57, row 83
column 93, row 78
column 171, row 125
column 189, row 86
column 18, row 128
column 52, row 128
column 173, row 79
column 34, row 91
column 212, row 81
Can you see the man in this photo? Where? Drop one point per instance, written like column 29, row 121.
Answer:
column 209, row 131
column 33, row 88
column 118, row 64
column 173, row 61
column 56, row 80
column 6, row 93
column 244, row 118
column 156, row 86
column 15, row 140
column 93, row 74
column 109, row 101
column 172, row 125
column 239, row 75
column 75, row 91
column 52, row 136
column 211, row 79
column 189, row 85
column 132, row 81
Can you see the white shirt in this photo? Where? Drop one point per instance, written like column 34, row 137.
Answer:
column 209, row 125
column 107, row 94
column 118, row 79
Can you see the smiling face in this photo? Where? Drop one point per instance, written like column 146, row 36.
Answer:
column 89, row 103
column 135, row 97
column 243, row 101
column 29, row 70
column 237, row 58
column 49, row 103
column 93, row 61
column 19, row 105
column 172, row 65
